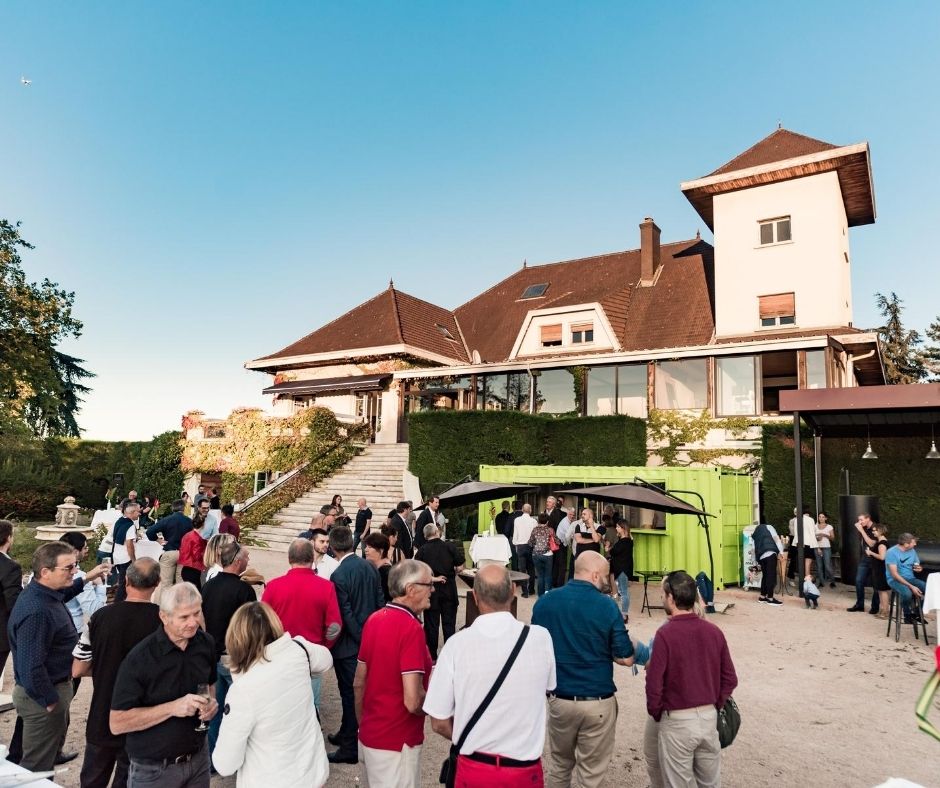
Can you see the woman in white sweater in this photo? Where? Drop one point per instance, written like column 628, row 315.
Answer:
column 270, row 734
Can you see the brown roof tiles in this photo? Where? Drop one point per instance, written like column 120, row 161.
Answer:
column 781, row 144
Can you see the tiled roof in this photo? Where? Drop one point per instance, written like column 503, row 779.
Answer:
column 674, row 312
column 781, row 144
column 390, row 318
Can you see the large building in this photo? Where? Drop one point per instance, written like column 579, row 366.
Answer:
column 682, row 325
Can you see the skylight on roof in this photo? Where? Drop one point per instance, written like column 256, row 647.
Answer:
column 445, row 332
column 535, row 291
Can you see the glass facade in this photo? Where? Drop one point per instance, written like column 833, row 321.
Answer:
column 602, row 391
column 815, row 369
column 556, row 392
column 736, row 389
column 631, row 391
column 682, row 385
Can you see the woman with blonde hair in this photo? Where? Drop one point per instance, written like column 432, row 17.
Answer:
column 212, row 555
column 270, row 733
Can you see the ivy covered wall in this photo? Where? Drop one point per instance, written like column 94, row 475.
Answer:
column 447, row 445
column 907, row 485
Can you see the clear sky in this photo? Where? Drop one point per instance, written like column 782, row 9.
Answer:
column 217, row 179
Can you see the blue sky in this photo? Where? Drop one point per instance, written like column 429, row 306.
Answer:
column 215, row 180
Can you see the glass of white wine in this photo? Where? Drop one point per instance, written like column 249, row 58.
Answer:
column 202, row 690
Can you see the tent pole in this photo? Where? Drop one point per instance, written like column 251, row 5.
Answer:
column 798, row 476
column 702, row 521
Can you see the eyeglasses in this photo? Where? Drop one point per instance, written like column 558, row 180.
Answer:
column 67, row 567
column 426, row 585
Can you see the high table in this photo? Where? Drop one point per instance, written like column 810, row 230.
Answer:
column 469, row 576
column 490, row 549
column 932, row 594
column 13, row 774
column 646, row 577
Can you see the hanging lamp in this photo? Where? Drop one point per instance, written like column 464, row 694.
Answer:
column 869, row 451
column 933, row 454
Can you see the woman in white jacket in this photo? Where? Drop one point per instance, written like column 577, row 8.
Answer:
column 270, row 734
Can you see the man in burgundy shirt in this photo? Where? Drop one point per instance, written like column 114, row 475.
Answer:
column 305, row 603
column 689, row 677
column 391, row 680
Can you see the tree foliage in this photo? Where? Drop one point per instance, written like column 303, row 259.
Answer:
column 900, row 347
column 40, row 386
column 932, row 351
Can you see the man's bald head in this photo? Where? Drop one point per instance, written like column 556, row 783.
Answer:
column 593, row 567
column 492, row 589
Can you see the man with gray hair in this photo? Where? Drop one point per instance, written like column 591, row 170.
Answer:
column 166, row 681
column 504, row 747
column 107, row 639
column 392, row 678
column 521, row 531
column 446, row 559
column 359, row 593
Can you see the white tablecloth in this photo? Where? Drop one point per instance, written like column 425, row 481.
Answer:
column 9, row 772
column 106, row 517
column 932, row 594
column 490, row 548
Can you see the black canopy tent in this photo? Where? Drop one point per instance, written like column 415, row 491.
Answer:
column 467, row 492
column 644, row 495
column 855, row 412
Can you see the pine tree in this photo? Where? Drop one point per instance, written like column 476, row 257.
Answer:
column 932, row 351
column 900, row 347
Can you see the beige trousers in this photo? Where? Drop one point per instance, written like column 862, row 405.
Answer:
column 689, row 751
column 651, row 751
column 580, row 740
column 168, row 561
column 391, row 769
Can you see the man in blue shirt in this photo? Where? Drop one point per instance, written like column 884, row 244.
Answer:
column 588, row 636
column 42, row 637
column 901, row 562
column 173, row 528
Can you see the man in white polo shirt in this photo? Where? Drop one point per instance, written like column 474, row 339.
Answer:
column 521, row 531
column 505, row 745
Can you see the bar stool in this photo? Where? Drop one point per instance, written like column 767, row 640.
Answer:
column 917, row 616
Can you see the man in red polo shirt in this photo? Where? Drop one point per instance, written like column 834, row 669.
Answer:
column 391, row 680
column 305, row 603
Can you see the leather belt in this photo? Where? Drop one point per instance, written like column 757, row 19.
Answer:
column 164, row 762
column 580, row 697
column 499, row 760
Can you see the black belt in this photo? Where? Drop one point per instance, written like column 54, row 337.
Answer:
column 499, row 760
column 164, row 762
column 580, row 697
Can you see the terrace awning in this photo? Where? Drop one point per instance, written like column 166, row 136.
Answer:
column 329, row 385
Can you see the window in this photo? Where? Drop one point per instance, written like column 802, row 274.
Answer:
column 551, row 335
column 582, row 332
column 815, row 369
column 445, row 332
column 555, row 392
column 682, row 385
column 617, row 390
column 602, row 391
column 775, row 231
column 505, row 392
column 736, row 386
column 777, row 310
column 535, row 291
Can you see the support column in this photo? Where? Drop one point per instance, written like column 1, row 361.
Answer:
column 798, row 475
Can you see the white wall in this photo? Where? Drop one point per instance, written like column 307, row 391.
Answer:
column 813, row 265
column 532, row 340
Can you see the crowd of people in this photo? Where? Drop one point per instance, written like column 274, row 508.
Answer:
column 194, row 672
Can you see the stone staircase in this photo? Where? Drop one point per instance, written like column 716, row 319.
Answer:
column 376, row 475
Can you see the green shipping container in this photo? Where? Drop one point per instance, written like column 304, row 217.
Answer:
column 681, row 545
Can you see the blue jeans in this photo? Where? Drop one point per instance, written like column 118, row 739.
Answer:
column 543, row 570
column 623, row 586
column 222, row 683
column 824, row 565
column 905, row 593
column 863, row 578
column 315, row 682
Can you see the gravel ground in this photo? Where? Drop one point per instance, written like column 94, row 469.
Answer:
column 825, row 698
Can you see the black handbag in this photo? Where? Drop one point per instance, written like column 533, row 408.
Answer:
column 729, row 720
column 449, row 766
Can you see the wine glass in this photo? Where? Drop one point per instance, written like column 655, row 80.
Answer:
column 202, row 690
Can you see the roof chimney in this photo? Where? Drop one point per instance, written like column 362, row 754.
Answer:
column 649, row 251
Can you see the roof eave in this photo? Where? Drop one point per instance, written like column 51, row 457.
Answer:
column 273, row 365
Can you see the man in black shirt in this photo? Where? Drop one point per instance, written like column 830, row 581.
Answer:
column 405, row 535
column 110, row 635
column 500, row 521
column 172, row 528
column 155, row 702
column 427, row 517
column 445, row 560
column 363, row 523
column 221, row 597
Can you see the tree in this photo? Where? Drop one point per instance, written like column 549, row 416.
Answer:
column 39, row 385
column 932, row 351
column 900, row 347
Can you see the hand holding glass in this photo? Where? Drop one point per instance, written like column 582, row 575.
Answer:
column 202, row 690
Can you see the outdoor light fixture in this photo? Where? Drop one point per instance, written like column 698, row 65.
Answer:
column 869, row 452
column 933, row 454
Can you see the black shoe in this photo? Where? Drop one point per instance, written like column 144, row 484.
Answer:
column 65, row 757
column 854, row 609
column 832, row 585
column 333, row 738
column 340, row 757
column 873, row 612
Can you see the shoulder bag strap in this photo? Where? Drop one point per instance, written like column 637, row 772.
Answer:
column 492, row 693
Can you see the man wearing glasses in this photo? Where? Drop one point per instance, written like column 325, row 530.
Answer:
column 42, row 636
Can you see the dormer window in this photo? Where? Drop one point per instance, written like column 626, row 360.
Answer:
column 551, row 335
column 534, row 291
column 775, row 231
column 582, row 333
column 777, row 310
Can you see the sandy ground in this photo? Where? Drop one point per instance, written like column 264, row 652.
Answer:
column 826, row 699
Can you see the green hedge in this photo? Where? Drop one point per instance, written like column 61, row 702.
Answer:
column 447, row 445
column 907, row 485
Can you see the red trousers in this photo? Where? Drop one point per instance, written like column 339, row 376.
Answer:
column 473, row 774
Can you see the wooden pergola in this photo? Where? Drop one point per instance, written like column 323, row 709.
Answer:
column 901, row 410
